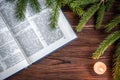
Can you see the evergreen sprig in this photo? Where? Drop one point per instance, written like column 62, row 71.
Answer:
column 105, row 44
column 113, row 23
column 86, row 16
column 22, row 5
column 21, row 9
column 109, row 4
column 116, row 65
column 55, row 6
column 64, row 2
column 100, row 16
column 85, row 2
column 77, row 9
column 35, row 5
column 54, row 16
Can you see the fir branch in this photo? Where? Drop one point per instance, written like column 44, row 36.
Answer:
column 77, row 9
column 100, row 16
column 85, row 2
column 113, row 23
column 35, row 5
column 55, row 6
column 54, row 17
column 86, row 16
column 50, row 3
column 21, row 9
column 105, row 44
column 116, row 65
column 64, row 2
column 109, row 4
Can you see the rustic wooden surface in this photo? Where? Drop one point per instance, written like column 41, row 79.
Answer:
column 73, row 62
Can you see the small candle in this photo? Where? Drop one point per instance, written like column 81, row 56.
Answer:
column 99, row 68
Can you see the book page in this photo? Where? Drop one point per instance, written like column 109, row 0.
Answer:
column 23, row 30
column 35, row 35
column 11, row 57
column 52, row 39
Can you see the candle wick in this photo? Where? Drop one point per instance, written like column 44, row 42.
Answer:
column 101, row 70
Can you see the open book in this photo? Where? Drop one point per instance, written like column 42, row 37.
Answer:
column 24, row 42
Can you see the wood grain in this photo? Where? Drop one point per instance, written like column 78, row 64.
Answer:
column 73, row 62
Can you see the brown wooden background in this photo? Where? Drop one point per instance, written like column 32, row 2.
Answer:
column 73, row 62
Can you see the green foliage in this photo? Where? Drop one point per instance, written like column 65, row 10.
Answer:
column 113, row 23
column 116, row 65
column 22, row 5
column 86, row 16
column 76, row 8
column 51, row 3
column 35, row 5
column 64, row 2
column 85, row 2
column 106, row 43
column 100, row 16
column 21, row 8
column 109, row 4
column 55, row 5
column 55, row 15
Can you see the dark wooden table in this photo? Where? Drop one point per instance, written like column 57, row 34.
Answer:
column 73, row 62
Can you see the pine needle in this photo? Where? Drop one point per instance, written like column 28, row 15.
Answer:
column 100, row 16
column 21, row 9
column 116, row 66
column 113, row 23
column 105, row 44
column 86, row 16
column 35, row 5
